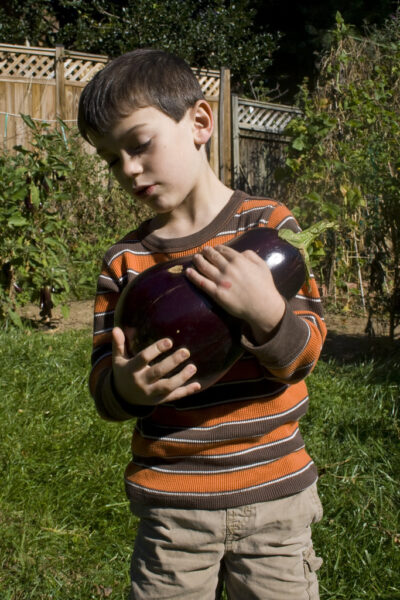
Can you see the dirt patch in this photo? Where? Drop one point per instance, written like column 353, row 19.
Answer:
column 347, row 338
column 80, row 317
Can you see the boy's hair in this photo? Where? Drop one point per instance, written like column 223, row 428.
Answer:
column 143, row 77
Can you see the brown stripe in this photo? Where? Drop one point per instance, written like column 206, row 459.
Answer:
column 264, row 492
column 255, row 453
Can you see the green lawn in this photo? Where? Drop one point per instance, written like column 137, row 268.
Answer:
column 66, row 529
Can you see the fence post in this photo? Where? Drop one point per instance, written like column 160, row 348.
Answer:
column 224, row 127
column 60, row 84
column 235, row 139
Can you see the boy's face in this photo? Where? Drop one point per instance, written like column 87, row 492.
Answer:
column 154, row 158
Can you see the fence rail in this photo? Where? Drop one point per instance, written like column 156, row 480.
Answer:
column 259, row 144
column 46, row 83
column 248, row 142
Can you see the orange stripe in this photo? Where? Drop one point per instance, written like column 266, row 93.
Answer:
column 102, row 338
column 217, row 482
column 106, row 303
column 146, row 448
column 279, row 214
column 247, row 409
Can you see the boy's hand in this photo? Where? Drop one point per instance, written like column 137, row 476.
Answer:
column 138, row 382
column 240, row 282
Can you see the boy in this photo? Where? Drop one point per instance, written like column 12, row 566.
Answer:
column 220, row 479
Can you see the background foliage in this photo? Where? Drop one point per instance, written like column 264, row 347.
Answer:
column 344, row 164
column 207, row 33
column 270, row 45
column 59, row 212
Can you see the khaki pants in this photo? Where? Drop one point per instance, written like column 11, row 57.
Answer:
column 260, row 551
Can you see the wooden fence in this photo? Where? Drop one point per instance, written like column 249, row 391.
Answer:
column 259, row 144
column 248, row 142
column 46, row 83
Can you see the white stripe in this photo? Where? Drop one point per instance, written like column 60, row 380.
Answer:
column 128, row 251
column 218, row 426
column 101, row 331
column 282, row 223
column 250, row 226
column 125, row 275
column 106, row 277
column 309, row 318
column 240, row 452
column 307, row 298
column 214, row 470
column 207, row 471
column 249, row 210
column 102, row 314
column 229, row 493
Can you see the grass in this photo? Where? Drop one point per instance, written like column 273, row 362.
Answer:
column 67, row 532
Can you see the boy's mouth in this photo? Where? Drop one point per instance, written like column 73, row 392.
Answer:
column 143, row 190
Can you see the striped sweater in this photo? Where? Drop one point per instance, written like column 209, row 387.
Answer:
column 237, row 442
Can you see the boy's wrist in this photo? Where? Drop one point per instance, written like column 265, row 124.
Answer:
column 265, row 326
column 133, row 409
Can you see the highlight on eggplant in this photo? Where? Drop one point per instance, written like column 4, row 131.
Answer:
column 162, row 302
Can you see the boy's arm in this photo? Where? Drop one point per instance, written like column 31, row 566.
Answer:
column 110, row 405
column 286, row 337
column 123, row 386
column 293, row 350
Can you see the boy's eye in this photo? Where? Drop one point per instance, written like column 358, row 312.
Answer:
column 133, row 151
column 136, row 150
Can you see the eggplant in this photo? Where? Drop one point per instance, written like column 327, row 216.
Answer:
column 162, row 302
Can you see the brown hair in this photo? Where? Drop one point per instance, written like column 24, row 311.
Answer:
column 143, row 77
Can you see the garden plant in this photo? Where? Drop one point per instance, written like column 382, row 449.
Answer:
column 344, row 166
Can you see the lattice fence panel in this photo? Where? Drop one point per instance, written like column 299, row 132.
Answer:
column 210, row 84
column 264, row 117
column 17, row 64
column 81, row 70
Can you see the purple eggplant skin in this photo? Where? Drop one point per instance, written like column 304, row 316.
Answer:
column 162, row 302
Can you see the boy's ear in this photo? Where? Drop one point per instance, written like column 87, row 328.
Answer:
column 203, row 122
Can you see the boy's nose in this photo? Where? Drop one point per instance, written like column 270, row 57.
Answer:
column 131, row 166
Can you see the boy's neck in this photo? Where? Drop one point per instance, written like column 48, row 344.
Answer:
column 195, row 213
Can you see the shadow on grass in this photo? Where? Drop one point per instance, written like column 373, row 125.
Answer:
column 353, row 349
column 349, row 348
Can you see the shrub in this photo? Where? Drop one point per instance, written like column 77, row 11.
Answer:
column 58, row 212
column 344, row 165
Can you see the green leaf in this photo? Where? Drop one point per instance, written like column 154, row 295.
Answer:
column 28, row 121
column 17, row 221
column 305, row 238
column 35, row 195
column 298, row 143
column 15, row 318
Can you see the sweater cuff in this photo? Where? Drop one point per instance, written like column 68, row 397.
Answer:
column 290, row 338
column 113, row 406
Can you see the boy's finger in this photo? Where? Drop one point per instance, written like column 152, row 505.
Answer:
column 215, row 256
column 227, row 252
column 118, row 342
column 146, row 356
column 163, row 368
column 204, row 283
column 183, row 391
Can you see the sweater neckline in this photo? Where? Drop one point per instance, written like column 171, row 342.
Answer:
column 167, row 245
